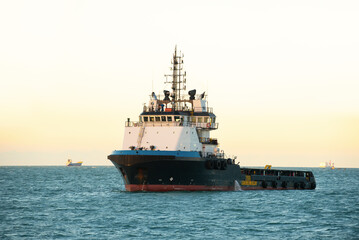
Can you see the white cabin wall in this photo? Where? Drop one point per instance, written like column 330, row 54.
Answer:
column 171, row 138
column 130, row 137
column 194, row 140
column 208, row 148
column 199, row 105
column 163, row 138
column 203, row 133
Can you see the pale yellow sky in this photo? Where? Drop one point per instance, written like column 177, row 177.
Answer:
column 282, row 76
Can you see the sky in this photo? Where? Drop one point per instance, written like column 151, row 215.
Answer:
column 281, row 76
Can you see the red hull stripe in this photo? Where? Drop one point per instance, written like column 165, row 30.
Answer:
column 166, row 188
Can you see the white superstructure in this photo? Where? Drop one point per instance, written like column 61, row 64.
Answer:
column 174, row 122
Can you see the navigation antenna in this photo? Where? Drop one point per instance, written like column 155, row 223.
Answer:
column 178, row 78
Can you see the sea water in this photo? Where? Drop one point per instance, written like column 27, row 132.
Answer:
column 90, row 203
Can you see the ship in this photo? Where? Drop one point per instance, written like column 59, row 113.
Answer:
column 329, row 165
column 72, row 164
column 170, row 148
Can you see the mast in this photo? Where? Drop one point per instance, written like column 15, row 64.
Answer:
column 178, row 78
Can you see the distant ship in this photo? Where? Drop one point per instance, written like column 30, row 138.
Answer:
column 329, row 164
column 71, row 164
column 170, row 148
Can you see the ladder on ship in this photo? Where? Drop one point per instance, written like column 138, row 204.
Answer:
column 140, row 135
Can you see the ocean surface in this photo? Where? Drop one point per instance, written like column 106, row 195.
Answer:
column 90, row 203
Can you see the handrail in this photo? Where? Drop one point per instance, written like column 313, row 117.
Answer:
column 180, row 109
column 208, row 140
column 217, row 155
column 161, row 124
column 161, row 96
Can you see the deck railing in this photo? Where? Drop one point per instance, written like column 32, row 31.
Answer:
column 208, row 140
column 221, row 155
column 178, row 109
column 176, row 124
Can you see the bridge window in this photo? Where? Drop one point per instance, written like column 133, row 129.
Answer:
column 163, row 118
column 169, row 119
column 206, row 119
column 145, row 119
column 199, row 119
column 158, row 119
column 152, row 119
column 177, row 118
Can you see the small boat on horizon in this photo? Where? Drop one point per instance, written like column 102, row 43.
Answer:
column 71, row 164
column 329, row 164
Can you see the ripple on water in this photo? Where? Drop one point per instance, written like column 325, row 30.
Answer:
column 90, row 203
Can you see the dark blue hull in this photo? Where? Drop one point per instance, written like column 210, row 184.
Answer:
column 188, row 171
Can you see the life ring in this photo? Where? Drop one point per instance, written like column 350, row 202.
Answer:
column 208, row 125
column 264, row 184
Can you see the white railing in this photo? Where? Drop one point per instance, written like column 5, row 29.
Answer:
column 176, row 124
column 178, row 109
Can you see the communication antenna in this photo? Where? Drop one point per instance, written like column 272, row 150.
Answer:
column 178, row 77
